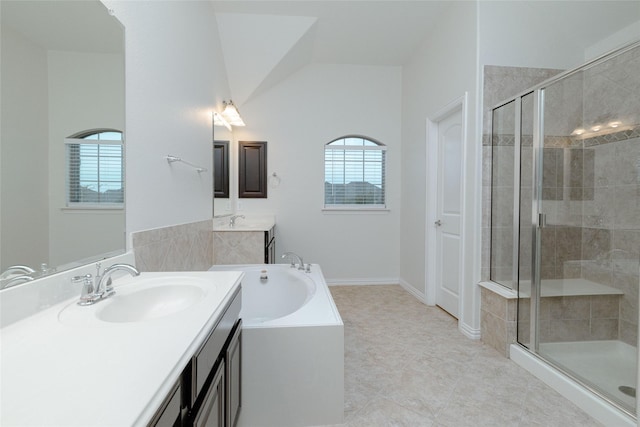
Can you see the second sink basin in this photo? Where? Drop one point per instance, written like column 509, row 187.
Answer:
column 150, row 303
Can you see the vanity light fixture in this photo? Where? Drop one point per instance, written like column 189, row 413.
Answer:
column 231, row 114
column 218, row 120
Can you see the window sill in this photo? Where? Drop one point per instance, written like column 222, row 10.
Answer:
column 355, row 211
column 92, row 209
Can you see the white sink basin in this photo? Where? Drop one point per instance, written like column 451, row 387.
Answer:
column 147, row 297
column 150, row 303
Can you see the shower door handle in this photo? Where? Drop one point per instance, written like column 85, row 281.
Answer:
column 542, row 220
column 438, row 223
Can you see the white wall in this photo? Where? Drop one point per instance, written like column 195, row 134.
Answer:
column 553, row 34
column 525, row 34
column 86, row 91
column 442, row 70
column 297, row 118
column 174, row 75
column 622, row 37
column 24, row 140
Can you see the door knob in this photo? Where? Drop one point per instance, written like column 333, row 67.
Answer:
column 438, row 223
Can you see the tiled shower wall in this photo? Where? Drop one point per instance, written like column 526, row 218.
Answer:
column 592, row 189
column 185, row 247
column 600, row 240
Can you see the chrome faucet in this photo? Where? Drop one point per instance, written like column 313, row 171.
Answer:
column 87, row 295
column 95, row 290
column 292, row 256
column 24, row 269
column 105, row 281
column 7, row 283
column 232, row 220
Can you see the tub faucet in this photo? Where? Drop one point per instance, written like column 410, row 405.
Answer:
column 232, row 220
column 292, row 256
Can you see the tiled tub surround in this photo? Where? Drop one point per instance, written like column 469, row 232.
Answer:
column 184, row 247
column 244, row 243
column 238, row 247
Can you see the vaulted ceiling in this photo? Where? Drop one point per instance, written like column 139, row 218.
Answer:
column 265, row 41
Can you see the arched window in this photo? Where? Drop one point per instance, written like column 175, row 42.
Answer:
column 354, row 173
column 95, row 176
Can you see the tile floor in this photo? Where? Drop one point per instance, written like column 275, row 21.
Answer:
column 406, row 364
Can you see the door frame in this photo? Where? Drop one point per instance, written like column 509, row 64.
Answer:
column 459, row 104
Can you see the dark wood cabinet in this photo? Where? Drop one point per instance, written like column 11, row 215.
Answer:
column 208, row 393
column 252, row 169
column 221, row 169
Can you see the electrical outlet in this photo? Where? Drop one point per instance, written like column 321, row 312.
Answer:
column 240, row 205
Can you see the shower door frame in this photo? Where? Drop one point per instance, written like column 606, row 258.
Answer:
column 537, row 218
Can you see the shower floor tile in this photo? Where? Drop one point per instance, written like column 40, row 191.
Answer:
column 406, row 364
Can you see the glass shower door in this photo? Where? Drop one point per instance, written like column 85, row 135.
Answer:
column 588, row 195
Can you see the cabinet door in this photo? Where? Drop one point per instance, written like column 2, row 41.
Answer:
column 252, row 169
column 211, row 413
column 221, row 169
column 233, row 358
column 169, row 413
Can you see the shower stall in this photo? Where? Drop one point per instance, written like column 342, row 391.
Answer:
column 565, row 221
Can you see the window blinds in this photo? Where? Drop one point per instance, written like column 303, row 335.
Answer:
column 94, row 172
column 354, row 176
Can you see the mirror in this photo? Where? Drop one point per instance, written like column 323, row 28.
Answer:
column 222, row 137
column 62, row 76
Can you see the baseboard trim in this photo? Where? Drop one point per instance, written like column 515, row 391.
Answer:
column 468, row 331
column 413, row 291
column 362, row 282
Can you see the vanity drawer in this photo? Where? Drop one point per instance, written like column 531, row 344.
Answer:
column 209, row 353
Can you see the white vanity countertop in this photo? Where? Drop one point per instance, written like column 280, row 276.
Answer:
column 99, row 373
column 264, row 226
column 250, row 223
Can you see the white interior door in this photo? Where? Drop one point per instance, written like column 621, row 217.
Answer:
column 448, row 222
